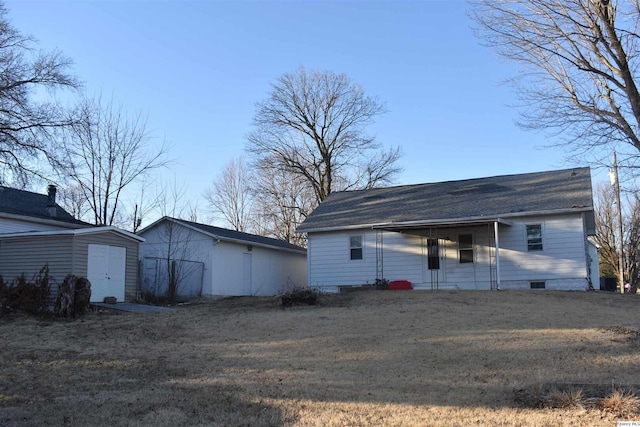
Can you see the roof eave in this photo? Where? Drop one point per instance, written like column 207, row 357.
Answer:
column 45, row 221
column 502, row 218
column 74, row 231
column 223, row 238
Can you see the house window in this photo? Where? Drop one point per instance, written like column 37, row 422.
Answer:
column 534, row 237
column 465, row 248
column 355, row 243
column 433, row 258
column 537, row 285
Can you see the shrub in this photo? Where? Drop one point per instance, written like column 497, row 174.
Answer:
column 565, row 399
column 382, row 284
column 42, row 284
column 621, row 403
column 73, row 297
column 32, row 298
column 299, row 296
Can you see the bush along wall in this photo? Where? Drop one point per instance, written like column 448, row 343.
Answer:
column 34, row 296
column 28, row 296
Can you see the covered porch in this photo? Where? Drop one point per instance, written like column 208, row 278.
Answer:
column 455, row 254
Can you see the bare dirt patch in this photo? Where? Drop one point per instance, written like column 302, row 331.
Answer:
column 365, row 358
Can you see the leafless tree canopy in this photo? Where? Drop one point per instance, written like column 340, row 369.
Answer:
column 106, row 151
column 312, row 125
column 267, row 200
column 28, row 127
column 73, row 200
column 282, row 201
column 230, row 195
column 606, row 226
column 580, row 61
column 607, row 236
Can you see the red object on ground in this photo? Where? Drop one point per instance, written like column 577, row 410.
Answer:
column 400, row 285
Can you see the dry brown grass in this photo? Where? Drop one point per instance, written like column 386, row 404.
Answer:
column 621, row 403
column 369, row 358
column 565, row 399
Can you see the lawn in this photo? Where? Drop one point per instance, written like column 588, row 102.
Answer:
column 367, row 358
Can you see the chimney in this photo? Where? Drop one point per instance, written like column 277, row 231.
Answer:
column 51, row 191
column 51, row 205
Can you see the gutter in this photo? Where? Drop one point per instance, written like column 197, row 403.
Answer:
column 446, row 221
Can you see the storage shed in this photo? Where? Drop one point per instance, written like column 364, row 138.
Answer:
column 212, row 261
column 107, row 256
column 35, row 230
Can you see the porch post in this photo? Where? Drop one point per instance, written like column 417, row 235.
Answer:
column 497, row 240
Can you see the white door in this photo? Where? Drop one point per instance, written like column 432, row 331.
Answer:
column 435, row 262
column 106, row 271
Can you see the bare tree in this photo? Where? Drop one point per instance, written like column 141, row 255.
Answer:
column 73, row 200
column 177, row 260
column 606, row 225
column 106, row 152
column 632, row 247
column 607, row 237
column 230, row 195
column 580, row 59
column 283, row 201
column 144, row 203
column 28, row 122
column 312, row 125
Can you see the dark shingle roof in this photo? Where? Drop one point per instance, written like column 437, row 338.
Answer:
column 26, row 203
column 506, row 195
column 225, row 233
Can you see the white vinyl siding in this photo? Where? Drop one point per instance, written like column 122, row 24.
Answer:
column 563, row 257
column 330, row 263
column 561, row 265
column 10, row 225
column 404, row 257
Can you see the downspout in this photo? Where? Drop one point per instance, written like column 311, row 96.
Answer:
column 497, row 240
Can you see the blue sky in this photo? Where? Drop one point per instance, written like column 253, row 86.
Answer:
column 197, row 68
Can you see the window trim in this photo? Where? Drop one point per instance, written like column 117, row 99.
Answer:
column 352, row 248
column 471, row 249
column 527, row 240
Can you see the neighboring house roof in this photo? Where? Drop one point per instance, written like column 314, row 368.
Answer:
column 20, row 203
column 442, row 203
column 224, row 234
column 75, row 232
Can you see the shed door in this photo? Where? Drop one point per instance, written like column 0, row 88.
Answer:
column 106, row 271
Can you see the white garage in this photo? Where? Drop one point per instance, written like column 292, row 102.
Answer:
column 213, row 261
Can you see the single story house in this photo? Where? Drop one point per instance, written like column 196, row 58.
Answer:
column 35, row 230
column 211, row 261
column 525, row 231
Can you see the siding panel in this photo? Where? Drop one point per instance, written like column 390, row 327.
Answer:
column 28, row 255
column 8, row 225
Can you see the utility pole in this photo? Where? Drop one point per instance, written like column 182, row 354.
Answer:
column 613, row 176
